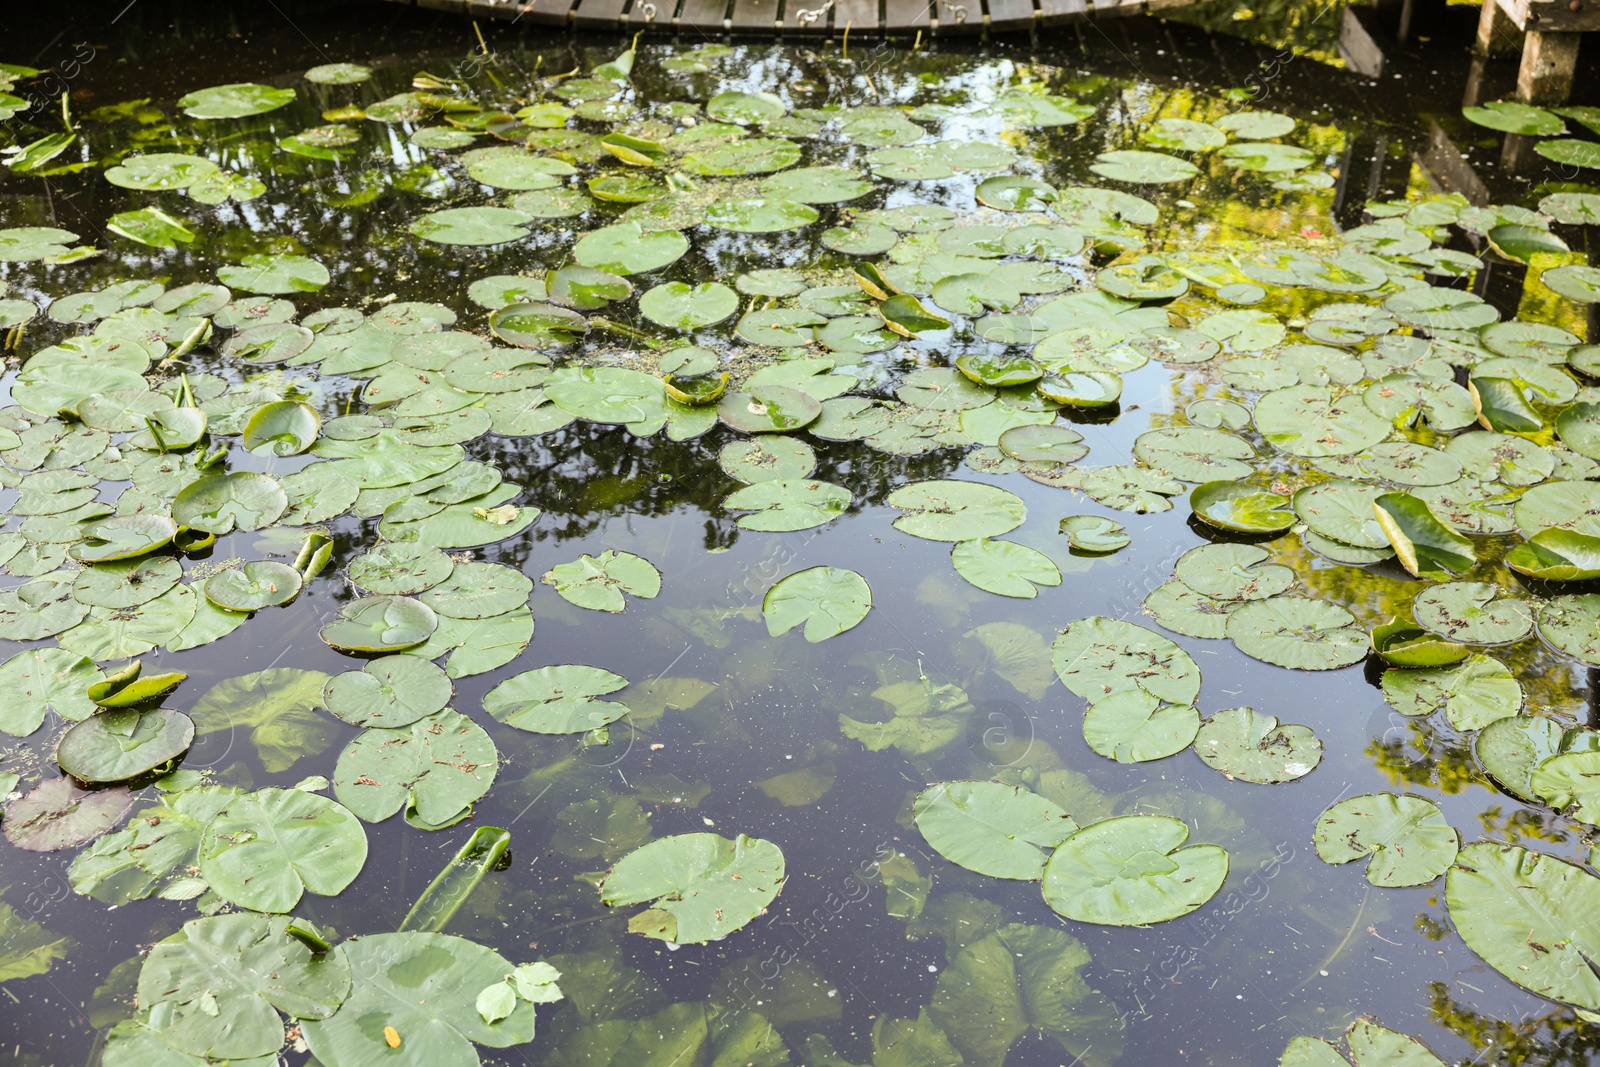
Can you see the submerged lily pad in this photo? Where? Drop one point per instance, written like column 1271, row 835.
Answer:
column 1132, row 871
column 58, row 814
column 701, row 886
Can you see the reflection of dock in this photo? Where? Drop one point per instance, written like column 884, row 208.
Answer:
column 801, row 17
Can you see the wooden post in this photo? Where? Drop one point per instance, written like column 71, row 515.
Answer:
column 1497, row 33
column 1549, row 61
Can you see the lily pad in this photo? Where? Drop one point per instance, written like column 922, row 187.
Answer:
column 999, row 830
column 1424, row 543
column 1143, row 168
column 1132, row 871
column 236, row 101
column 1557, row 556
column 1298, row 632
column 388, row 692
column 267, row 848
column 1004, row 567
column 116, row 745
column 1472, row 612
column 557, row 700
column 1571, row 625
column 58, row 814
column 1132, row 726
column 1409, row 840
column 1474, row 694
column 1242, row 743
column 380, row 624
column 1399, row 643
column 1095, row 534
column 599, row 582
column 261, row 584
column 42, row 680
column 956, row 510
column 680, row 306
column 828, row 600
column 1317, row 421
column 1233, row 572
column 1241, row 506
column 1097, row 656
column 787, row 504
column 701, row 886
column 220, row 503
column 435, row 767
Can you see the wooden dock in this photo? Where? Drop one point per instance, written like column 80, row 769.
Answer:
column 871, row 18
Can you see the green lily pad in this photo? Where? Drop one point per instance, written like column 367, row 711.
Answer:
column 1557, row 556
column 275, row 274
column 1196, row 453
column 380, row 624
column 828, row 600
column 268, row 848
column 753, row 155
column 1132, row 871
column 1240, row 506
column 514, row 168
column 557, row 700
column 236, row 101
column 287, row 427
column 1143, row 168
column 1095, row 534
column 1473, row 694
column 1530, row 917
column 388, row 692
column 1004, row 567
column 472, row 225
column 116, row 745
column 42, row 680
column 956, row 510
column 125, row 688
column 478, row 591
column 1082, row 389
column 1000, row 372
column 999, row 830
column 1400, row 643
column 423, row 988
column 400, row 568
column 680, row 306
column 701, row 886
column 1509, row 116
column 1048, row 444
column 262, row 584
column 1424, row 543
column 606, row 394
column 1317, row 421
column 1298, row 632
column 123, row 537
column 765, row 458
column 1131, row 726
column 1233, row 572
column 599, row 582
column 436, row 768
column 1409, row 840
column 1472, row 612
column 1097, row 656
column 214, row 989
column 1242, row 743
column 781, row 505
column 1571, row 625
column 768, row 214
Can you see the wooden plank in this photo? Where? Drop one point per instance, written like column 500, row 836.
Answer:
column 1497, row 32
column 1061, row 12
column 1011, row 14
column 860, row 15
column 705, row 15
column 1356, row 44
column 906, row 16
column 455, row 6
column 598, row 14
column 1554, row 16
column 1549, row 62
column 755, row 16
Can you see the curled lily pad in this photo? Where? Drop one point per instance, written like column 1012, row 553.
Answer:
column 905, row 315
column 1097, row 656
column 1421, row 540
column 786, row 504
column 1404, row 645
column 220, row 503
column 1095, row 533
column 828, row 600
column 1082, row 389
column 1240, row 506
column 267, row 848
column 1409, row 840
column 1298, row 632
column 999, row 830
column 1472, row 612
column 436, row 768
column 58, row 814
column 261, row 584
column 599, row 582
column 1571, row 625
column 1557, row 556
column 287, row 427
column 998, row 373
column 388, row 692
column 700, row 886
column 1132, row 871
column 119, row 744
column 1472, row 694
column 956, row 510
column 1004, row 567
column 380, row 624
column 1242, row 743
column 126, row 688
column 123, row 537
column 1131, row 726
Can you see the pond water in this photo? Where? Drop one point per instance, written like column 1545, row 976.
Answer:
column 395, row 335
